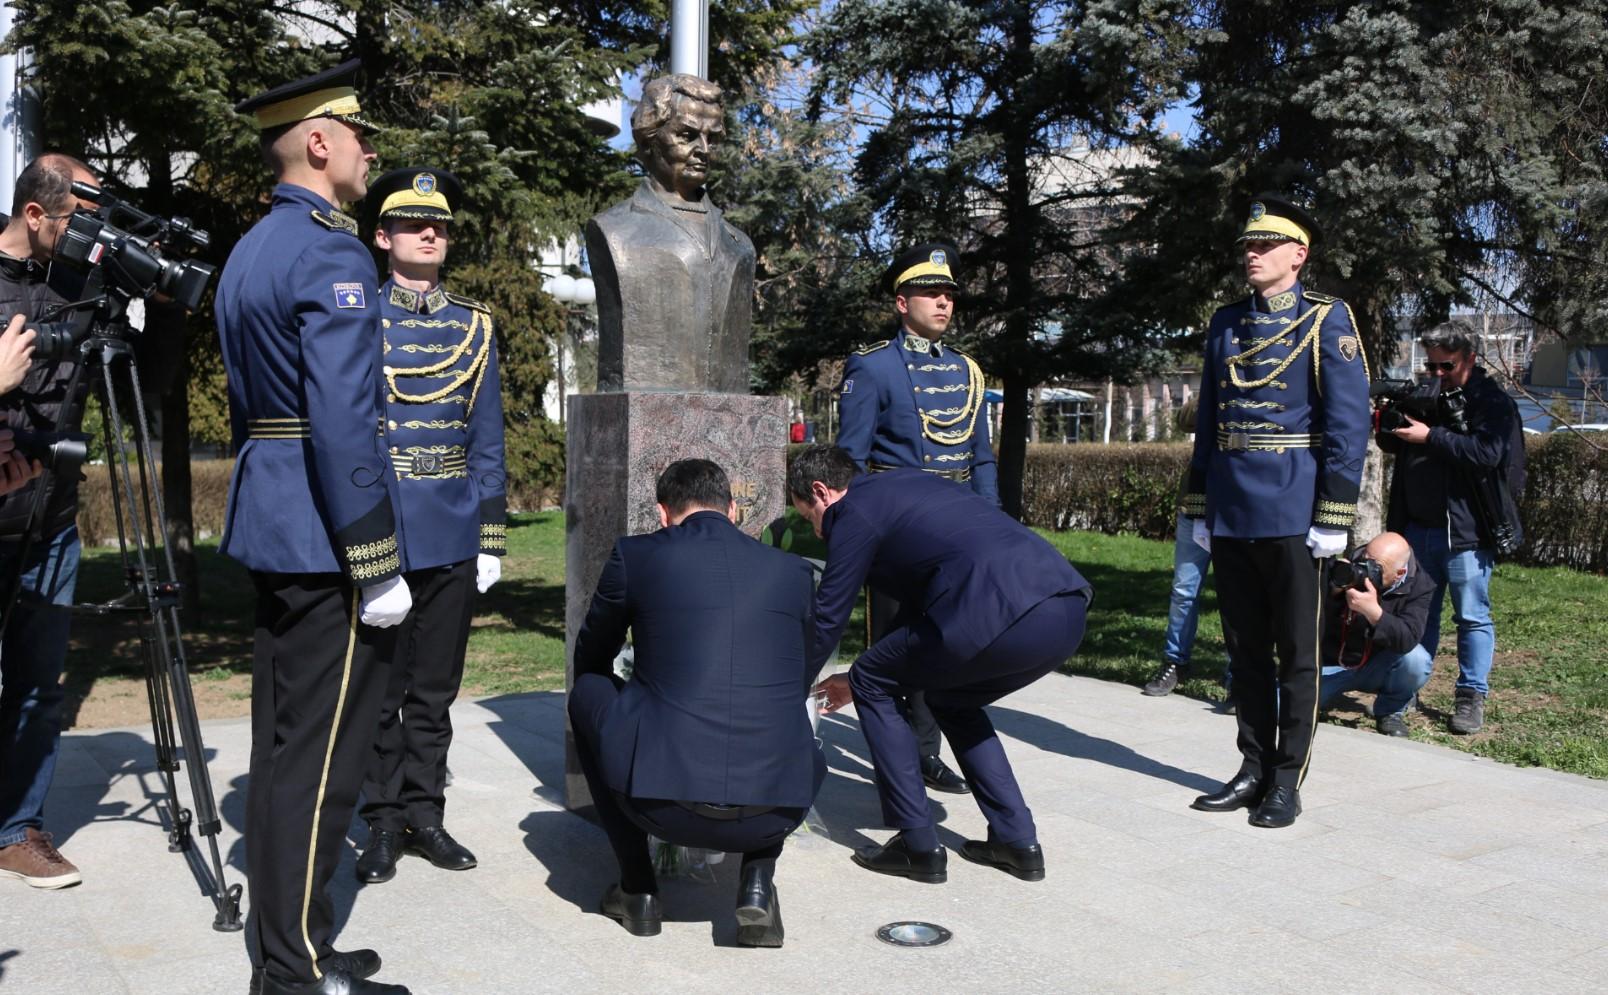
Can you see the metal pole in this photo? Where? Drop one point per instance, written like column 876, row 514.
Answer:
column 689, row 37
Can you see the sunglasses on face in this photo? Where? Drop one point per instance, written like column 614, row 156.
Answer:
column 1439, row 367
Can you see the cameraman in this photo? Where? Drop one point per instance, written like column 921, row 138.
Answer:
column 35, row 641
column 1371, row 630
column 1435, row 502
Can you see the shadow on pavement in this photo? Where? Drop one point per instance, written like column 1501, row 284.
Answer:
column 1057, row 737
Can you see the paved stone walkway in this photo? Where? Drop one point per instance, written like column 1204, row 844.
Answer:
column 1414, row 869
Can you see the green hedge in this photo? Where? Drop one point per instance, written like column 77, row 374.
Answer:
column 1127, row 488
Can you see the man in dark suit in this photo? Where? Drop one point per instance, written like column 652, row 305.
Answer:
column 709, row 743
column 986, row 607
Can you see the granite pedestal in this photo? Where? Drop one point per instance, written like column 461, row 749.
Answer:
column 617, row 444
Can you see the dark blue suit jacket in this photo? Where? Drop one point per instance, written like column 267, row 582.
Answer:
column 715, row 708
column 939, row 550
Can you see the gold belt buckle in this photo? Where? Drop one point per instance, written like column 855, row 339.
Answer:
column 426, row 463
column 1239, row 441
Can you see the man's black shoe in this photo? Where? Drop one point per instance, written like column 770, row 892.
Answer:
column 1468, row 712
column 1025, row 862
column 378, row 863
column 334, row 982
column 1392, row 725
column 1278, row 809
column 436, row 845
column 359, row 964
column 1167, row 678
column 896, row 858
column 940, row 778
column 759, row 911
column 641, row 915
column 1245, row 789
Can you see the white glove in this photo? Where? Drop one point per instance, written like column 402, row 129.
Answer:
column 1325, row 542
column 488, row 571
column 387, row 603
column 1197, row 532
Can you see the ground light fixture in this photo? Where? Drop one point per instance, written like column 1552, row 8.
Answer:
column 913, row 934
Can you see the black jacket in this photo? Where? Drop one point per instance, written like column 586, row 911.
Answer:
column 1348, row 639
column 1432, row 484
column 715, row 710
column 37, row 404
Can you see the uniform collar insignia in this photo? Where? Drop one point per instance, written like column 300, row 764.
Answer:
column 429, row 302
column 404, row 298
column 1281, row 302
column 435, row 300
column 916, row 343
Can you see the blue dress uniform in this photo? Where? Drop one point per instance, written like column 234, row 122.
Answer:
column 1280, row 440
column 912, row 402
column 988, row 608
column 443, row 411
column 311, row 516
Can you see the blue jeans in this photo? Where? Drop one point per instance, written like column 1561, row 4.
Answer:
column 31, row 658
column 1468, row 574
column 1190, row 564
column 1394, row 677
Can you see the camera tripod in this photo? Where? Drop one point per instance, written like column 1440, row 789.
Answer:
column 152, row 598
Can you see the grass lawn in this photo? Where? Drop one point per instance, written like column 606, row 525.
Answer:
column 1548, row 707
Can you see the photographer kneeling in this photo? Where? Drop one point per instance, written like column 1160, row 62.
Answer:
column 1453, row 495
column 1373, row 618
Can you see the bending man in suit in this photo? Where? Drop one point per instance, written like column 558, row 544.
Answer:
column 709, row 743
column 986, row 608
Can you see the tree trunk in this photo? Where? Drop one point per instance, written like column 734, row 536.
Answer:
column 1019, row 225
column 171, row 381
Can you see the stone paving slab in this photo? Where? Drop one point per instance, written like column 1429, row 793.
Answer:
column 1414, row 869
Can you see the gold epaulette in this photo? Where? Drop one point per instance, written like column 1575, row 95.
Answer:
column 336, row 221
column 1317, row 298
column 873, row 347
column 468, row 302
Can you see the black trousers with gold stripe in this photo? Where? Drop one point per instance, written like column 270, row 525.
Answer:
column 1269, row 591
column 880, row 612
column 407, row 774
column 317, row 677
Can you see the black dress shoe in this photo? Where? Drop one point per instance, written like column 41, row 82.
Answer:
column 362, row 963
column 759, row 911
column 641, row 915
column 1025, row 862
column 1244, row 790
column 895, row 857
column 1278, row 809
column 378, row 863
column 940, row 778
column 332, row 983
column 436, row 845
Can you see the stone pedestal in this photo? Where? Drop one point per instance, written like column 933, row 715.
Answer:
column 616, row 446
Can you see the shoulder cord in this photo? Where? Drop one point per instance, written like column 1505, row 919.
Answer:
column 932, row 425
column 1321, row 312
column 475, row 369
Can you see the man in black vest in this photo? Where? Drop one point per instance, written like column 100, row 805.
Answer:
column 709, row 743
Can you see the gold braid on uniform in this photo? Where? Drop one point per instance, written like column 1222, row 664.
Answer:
column 475, row 371
column 1233, row 362
column 934, row 426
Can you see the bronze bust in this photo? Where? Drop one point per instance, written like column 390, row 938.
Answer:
column 675, row 281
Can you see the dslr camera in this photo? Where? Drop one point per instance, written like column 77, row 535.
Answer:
column 1395, row 401
column 1356, row 572
column 118, row 265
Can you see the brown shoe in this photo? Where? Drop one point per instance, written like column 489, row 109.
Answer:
column 38, row 863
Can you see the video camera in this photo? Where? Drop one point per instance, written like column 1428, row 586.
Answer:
column 121, row 264
column 1356, row 572
column 1395, row 401
column 60, row 453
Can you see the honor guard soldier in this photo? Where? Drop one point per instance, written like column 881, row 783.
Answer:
column 311, row 516
column 1280, row 438
column 443, row 420
column 909, row 401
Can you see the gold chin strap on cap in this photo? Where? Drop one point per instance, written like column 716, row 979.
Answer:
column 335, row 102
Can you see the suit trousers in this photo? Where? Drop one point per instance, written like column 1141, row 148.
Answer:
column 406, row 782
column 911, row 658
column 629, row 821
column 317, row 677
column 1270, row 592
column 881, row 613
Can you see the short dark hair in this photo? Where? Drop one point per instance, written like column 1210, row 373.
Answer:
column 831, row 465
column 1451, row 336
column 48, row 182
column 693, row 483
column 267, row 144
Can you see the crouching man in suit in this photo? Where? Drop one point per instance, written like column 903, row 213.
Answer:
column 708, row 744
